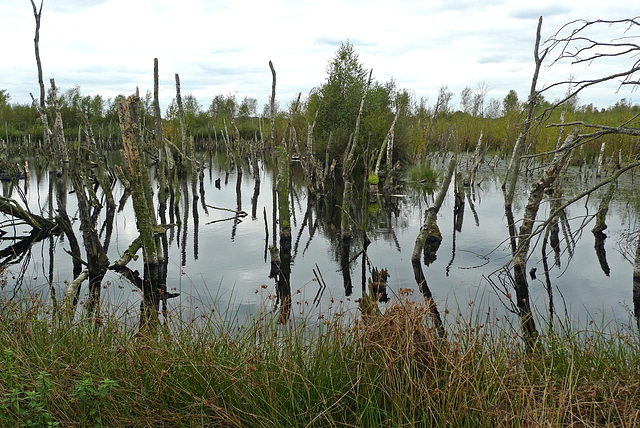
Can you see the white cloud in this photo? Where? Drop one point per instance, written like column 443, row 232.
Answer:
column 108, row 46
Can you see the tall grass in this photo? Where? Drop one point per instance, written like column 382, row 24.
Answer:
column 387, row 370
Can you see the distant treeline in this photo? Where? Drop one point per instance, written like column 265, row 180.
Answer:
column 421, row 127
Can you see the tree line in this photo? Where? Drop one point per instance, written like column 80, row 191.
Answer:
column 421, row 127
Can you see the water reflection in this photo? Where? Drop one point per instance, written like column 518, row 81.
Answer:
column 214, row 257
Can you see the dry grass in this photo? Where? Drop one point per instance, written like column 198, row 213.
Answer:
column 383, row 369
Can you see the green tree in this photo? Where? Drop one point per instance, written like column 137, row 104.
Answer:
column 340, row 94
column 510, row 103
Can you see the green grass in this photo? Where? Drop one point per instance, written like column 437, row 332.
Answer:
column 422, row 173
column 387, row 370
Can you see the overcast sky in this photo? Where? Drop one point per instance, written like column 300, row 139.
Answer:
column 223, row 47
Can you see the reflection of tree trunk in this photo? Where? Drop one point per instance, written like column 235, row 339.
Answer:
column 345, row 268
column 468, row 192
column 195, row 228
column 421, row 280
column 636, row 284
column 601, row 253
column 185, row 225
column 547, row 277
column 237, row 220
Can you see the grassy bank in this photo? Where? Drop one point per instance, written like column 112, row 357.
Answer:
column 389, row 370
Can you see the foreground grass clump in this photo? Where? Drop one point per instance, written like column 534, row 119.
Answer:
column 380, row 370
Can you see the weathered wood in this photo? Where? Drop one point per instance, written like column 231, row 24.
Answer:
column 58, row 128
column 347, row 168
column 154, row 285
column 603, row 209
column 536, row 195
column 186, row 147
column 511, row 177
column 97, row 161
column 97, row 261
column 431, row 213
column 272, row 106
column 40, row 107
column 11, row 208
column 470, row 179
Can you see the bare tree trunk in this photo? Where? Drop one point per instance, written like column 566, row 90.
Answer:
column 186, row 147
column 97, row 261
column 58, row 128
column 431, row 214
column 524, row 238
column 165, row 161
column 470, row 180
column 600, row 160
column 426, row 231
column 272, row 105
column 514, row 165
column 37, row 13
column 347, row 168
column 603, row 209
column 98, row 161
column 129, row 114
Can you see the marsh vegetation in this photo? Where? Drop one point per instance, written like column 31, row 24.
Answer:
column 357, row 258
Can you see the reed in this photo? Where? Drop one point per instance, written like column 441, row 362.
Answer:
column 338, row 369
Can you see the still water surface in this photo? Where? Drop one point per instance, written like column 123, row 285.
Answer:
column 223, row 262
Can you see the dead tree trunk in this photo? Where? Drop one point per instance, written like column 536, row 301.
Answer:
column 37, row 14
column 129, row 114
column 58, row 128
column 347, row 168
column 97, row 261
column 524, row 238
column 514, row 165
column 427, row 231
column 432, row 213
column 272, row 106
column 475, row 163
column 600, row 160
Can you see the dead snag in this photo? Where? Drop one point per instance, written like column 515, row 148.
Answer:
column 141, row 194
column 431, row 214
column 40, row 107
column 470, row 179
column 272, row 106
column 11, row 208
column 511, row 177
column 536, row 195
column 636, row 284
column 58, row 129
column 97, row 161
column 428, row 230
column 603, row 208
column 97, row 261
column 347, row 168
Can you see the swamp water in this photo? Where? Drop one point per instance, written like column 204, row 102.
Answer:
column 220, row 260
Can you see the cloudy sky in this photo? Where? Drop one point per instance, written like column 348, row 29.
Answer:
column 223, row 47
